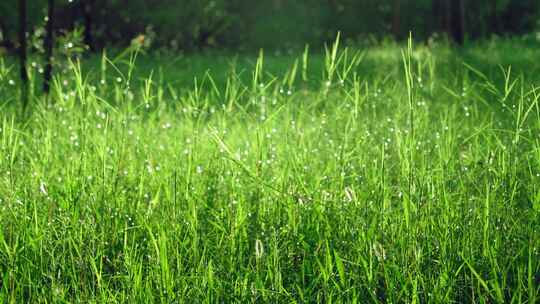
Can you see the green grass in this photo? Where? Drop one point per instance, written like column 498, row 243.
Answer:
column 377, row 176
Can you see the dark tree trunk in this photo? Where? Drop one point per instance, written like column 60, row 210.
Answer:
column 396, row 19
column 88, row 24
column 49, row 43
column 435, row 15
column 447, row 17
column 494, row 18
column 458, row 21
column 4, row 41
column 462, row 18
column 22, row 52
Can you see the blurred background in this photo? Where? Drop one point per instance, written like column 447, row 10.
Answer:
column 192, row 25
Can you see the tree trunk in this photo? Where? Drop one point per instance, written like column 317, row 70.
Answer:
column 396, row 19
column 458, row 21
column 49, row 43
column 494, row 17
column 88, row 23
column 447, row 17
column 22, row 52
column 435, row 16
column 4, row 40
column 462, row 16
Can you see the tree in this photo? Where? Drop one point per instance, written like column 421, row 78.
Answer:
column 88, row 23
column 22, row 52
column 441, row 11
column 48, row 43
column 4, row 39
column 458, row 21
column 494, row 17
column 396, row 19
column 440, row 16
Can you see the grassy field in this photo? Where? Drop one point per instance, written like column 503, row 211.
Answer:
column 396, row 174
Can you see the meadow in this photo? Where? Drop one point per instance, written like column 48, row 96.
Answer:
column 393, row 174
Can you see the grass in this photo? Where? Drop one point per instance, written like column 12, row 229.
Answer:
column 377, row 176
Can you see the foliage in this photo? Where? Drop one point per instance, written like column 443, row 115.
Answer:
column 194, row 24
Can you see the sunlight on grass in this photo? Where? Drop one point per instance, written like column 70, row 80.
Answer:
column 384, row 175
